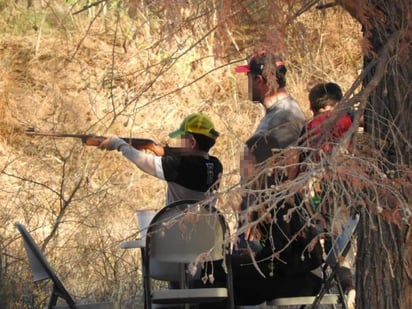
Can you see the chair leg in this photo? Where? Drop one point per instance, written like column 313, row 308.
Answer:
column 324, row 289
column 146, row 280
column 53, row 299
column 56, row 293
column 342, row 296
column 229, row 284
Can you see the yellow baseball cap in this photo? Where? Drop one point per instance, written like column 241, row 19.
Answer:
column 198, row 124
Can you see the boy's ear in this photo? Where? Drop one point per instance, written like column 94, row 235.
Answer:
column 193, row 142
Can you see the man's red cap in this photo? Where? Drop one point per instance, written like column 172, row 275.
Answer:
column 257, row 63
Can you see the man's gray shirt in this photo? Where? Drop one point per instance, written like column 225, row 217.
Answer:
column 279, row 128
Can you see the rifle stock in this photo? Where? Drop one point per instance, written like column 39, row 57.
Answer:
column 95, row 140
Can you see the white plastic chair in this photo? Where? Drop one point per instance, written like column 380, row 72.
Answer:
column 177, row 236
column 41, row 270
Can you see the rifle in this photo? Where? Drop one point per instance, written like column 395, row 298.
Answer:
column 138, row 143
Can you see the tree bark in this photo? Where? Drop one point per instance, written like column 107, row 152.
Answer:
column 381, row 262
column 384, row 253
column 389, row 107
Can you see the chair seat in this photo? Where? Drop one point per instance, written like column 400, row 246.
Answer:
column 90, row 306
column 328, row 299
column 189, row 295
column 131, row 244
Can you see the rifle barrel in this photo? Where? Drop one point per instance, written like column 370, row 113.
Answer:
column 60, row 134
column 95, row 140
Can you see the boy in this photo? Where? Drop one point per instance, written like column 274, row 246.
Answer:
column 321, row 135
column 189, row 176
column 320, row 132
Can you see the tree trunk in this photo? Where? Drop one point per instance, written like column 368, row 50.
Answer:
column 381, row 264
column 387, row 27
column 389, row 111
column 384, row 255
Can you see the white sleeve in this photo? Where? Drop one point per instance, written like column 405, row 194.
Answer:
column 159, row 167
column 146, row 162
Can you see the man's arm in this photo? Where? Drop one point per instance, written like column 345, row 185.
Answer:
column 293, row 161
column 247, row 164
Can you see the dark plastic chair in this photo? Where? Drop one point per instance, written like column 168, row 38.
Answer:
column 41, row 270
column 339, row 248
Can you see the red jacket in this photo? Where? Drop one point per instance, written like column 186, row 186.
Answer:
column 323, row 134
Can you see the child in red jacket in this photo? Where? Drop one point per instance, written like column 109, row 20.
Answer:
column 320, row 135
column 321, row 132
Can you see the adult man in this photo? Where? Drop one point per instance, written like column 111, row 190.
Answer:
column 279, row 128
column 279, row 245
column 284, row 119
column 189, row 176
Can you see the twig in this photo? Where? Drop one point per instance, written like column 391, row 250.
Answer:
column 86, row 7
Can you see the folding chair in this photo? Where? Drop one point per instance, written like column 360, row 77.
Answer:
column 42, row 270
column 339, row 248
column 183, row 236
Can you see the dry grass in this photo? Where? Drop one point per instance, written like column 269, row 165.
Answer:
column 73, row 78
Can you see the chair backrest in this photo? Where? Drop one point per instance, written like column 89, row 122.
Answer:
column 41, row 268
column 342, row 241
column 182, row 231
